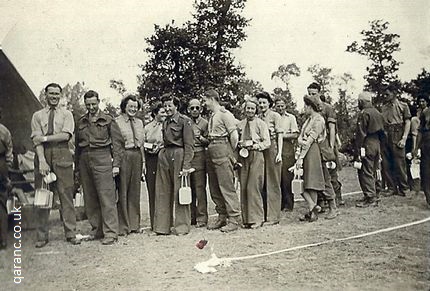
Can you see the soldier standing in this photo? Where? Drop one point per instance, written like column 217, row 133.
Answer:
column 223, row 139
column 370, row 127
column 199, row 207
column 397, row 124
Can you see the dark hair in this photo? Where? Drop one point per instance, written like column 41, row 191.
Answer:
column 309, row 102
column 315, row 85
column 170, row 97
column 413, row 108
column 91, row 94
column 423, row 97
column 53, row 85
column 280, row 99
column 264, row 95
column 212, row 94
column 127, row 98
column 156, row 108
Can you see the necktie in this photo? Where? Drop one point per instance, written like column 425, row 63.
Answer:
column 133, row 131
column 247, row 132
column 51, row 121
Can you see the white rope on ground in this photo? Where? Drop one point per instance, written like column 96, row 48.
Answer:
column 207, row 266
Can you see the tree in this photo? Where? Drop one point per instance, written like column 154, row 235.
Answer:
column 346, row 111
column 420, row 86
column 378, row 46
column 322, row 76
column 186, row 59
column 118, row 85
column 284, row 73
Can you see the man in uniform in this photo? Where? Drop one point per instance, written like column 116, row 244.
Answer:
column 51, row 129
column 332, row 185
column 223, row 139
column 370, row 127
column 99, row 150
column 199, row 208
column 397, row 125
column 291, row 132
column 6, row 160
column 174, row 161
column 424, row 144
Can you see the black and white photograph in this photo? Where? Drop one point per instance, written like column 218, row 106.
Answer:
column 214, row 144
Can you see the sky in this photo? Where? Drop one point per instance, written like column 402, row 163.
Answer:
column 96, row 41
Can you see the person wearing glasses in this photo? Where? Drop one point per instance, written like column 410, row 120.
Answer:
column 199, row 208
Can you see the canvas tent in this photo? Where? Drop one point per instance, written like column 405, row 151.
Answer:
column 17, row 103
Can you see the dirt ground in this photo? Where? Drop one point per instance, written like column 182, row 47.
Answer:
column 397, row 260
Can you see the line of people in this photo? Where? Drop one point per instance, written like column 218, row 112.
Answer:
column 118, row 152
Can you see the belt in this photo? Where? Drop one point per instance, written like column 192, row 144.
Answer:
column 172, row 146
column 133, row 149
column 61, row 144
column 220, row 139
column 100, row 149
column 394, row 127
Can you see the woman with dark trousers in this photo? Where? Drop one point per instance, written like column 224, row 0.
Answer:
column 153, row 141
column 132, row 165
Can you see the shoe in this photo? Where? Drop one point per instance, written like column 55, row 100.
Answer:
column 341, row 202
column 230, row 227
column 269, row 223
column 73, row 240
column 109, row 241
column 332, row 212
column 400, row 193
column 363, row 199
column 305, row 217
column 255, row 225
column 41, row 243
column 217, row 225
column 388, row 193
column 313, row 216
column 93, row 237
column 370, row 202
column 200, row 224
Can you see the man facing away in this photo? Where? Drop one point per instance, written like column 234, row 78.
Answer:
column 369, row 130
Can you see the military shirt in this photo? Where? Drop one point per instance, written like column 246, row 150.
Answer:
column 178, row 131
column 369, row 121
column 63, row 121
column 273, row 121
column 289, row 123
column 124, row 123
column 395, row 112
column 425, row 121
column 200, row 128
column 328, row 113
column 221, row 124
column 258, row 130
column 101, row 132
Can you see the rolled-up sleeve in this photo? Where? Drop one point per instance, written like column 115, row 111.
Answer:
column 36, row 128
column 69, row 123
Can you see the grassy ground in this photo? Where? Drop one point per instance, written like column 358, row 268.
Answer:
column 397, row 260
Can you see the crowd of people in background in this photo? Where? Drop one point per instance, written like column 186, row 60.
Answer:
column 266, row 151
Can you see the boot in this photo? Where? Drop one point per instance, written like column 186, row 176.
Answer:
column 332, row 213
